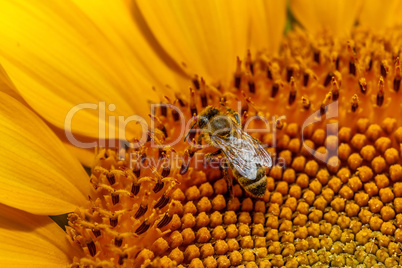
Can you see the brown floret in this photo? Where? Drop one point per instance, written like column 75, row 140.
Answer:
column 346, row 192
column 388, row 228
column 382, row 144
column 216, row 219
column 232, row 231
column 309, row 197
column 221, row 247
column 220, row 186
column 378, row 164
column 355, row 161
column 298, row 163
column 276, row 172
column 202, row 220
column 389, row 125
column 218, row 202
column 345, row 134
column 344, row 174
column 352, row 209
column 300, row 219
column 235, row 258
column 331, row 217
column 207, row 250
column 295, row 191
column 315, row 216
column 368, row 152
column 191, row 253
column 361, row 198
column 311, row 168
column 375, row 205
column 344, row 151
column 233, row 244
column 365, row 173
column 375, row 223
column 244, row 230
column 373, row 132
column 289, row 175
column 386, row 195
column 320, row 202
column 358, row 141
column 223, row 262
column 395, row 172
column 391, row 156
column 206, row 189
column 371, row 189
column 294, row 145
column 302, row 180
column 210, row 262
column 387, row 213
column 365, row 216
column 176, row 255
column 203, row 235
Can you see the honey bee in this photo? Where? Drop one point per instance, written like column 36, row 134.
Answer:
column 245, row 156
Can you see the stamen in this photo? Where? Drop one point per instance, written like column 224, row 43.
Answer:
column 325, row 102
column 141, row 211
column 384, row 68
column 249, row 62
column 289, row 74
column 363, row 85
column 306, row 103
column 143, row 228
column 163, row 109
column 193, row 108
column 115, row 198
column 118, row 242
column 380, row 94
column 335, row 89
column 162, row 202
column 203, row 94
column 316, row 56
column 96, row 232
column 397, row 79
column 91, row 248
column 328, row 79
column 355, row 103
column 196, row 82
column 165, row 221
column 113, row 221
column 158, row 186
column 306, row 77
column 275, row 88
column 135, row 188
column 110, row 178
column 292, row 93
column 251, row 85
column 237, row 78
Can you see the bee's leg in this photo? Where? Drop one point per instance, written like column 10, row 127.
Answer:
column 209, row 156
column 225, row 167
column 199, row 139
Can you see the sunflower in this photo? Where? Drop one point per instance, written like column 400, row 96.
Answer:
column 329, row 93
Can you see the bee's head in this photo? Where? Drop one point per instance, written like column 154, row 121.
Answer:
column 206, row 116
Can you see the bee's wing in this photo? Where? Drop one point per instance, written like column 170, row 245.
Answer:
column 244, row 153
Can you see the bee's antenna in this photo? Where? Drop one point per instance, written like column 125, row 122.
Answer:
column 185, row 138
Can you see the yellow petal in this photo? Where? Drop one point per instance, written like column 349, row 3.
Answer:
column 62, row 54
column 32, row 241
column 378, row 14
column 205, row 36
column 85, row 156
column 268, row 20
column 38, row 174
column 337, row 16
